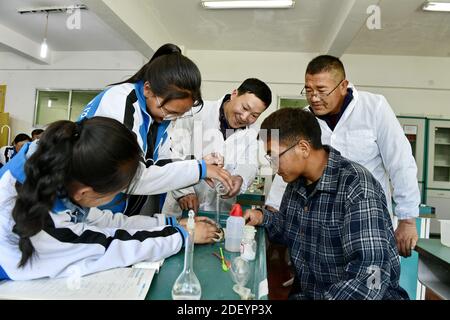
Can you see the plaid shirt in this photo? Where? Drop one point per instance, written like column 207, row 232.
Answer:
column 340, row 237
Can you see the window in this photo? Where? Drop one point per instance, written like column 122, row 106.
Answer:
column 79, row 100
column 292, row 102
column 53, row 105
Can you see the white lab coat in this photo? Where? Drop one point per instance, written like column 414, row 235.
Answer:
column 200, row 136
column 370, row 134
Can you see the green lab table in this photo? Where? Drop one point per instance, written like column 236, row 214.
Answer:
column 434, row 266
column 409, row 266
column 216, row 284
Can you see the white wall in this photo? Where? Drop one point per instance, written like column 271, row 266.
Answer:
column 413, row 85
column 68, row 70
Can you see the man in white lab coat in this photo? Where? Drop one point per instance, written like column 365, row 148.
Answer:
column 363, row 127
column 225, row 127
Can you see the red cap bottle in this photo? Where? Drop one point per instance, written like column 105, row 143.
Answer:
column 236, row 210
column 234, row 229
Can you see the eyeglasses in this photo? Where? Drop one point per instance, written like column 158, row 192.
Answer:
column 309, row 93
column 274, row 160
column 168, row 116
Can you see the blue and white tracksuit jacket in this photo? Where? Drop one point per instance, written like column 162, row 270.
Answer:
column 89, row 240
column 126, row 103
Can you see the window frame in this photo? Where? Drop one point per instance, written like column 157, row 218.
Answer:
column 69, row 102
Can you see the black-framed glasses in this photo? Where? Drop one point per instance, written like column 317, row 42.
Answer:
column 308, row 93
column 273, row 160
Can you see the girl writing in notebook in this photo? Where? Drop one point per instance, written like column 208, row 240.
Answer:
column 49, row 194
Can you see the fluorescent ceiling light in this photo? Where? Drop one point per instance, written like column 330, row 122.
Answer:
column 249, row 4
column 436, row 6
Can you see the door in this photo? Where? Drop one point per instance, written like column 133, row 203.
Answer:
column 414, row 129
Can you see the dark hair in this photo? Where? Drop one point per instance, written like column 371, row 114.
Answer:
column 21, row 137
column 171, row 75
column 98, row 152
column 165, row 49
column 36, row 132
column 259, row 88
column 325, row 63
column 293, row 124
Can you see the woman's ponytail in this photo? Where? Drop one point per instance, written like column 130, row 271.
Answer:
column 98, row 152
column 46, row 172
column 165, row 49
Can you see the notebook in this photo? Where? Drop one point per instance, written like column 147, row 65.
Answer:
column 149, row 265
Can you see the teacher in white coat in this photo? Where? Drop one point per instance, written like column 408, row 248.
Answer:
column 224, row 126
column 363, row 127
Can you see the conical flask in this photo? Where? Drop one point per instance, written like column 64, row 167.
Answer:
column 187, row 286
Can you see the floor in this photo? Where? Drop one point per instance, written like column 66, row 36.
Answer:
column 278, row 272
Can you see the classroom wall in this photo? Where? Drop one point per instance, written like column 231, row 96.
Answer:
column 69, row 70
column 413, row 85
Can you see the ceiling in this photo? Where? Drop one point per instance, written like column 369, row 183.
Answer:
column 299, row 29
column 94, row 33
column 312, row 26
column 406, row 30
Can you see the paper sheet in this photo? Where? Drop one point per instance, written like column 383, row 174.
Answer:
column 115, row 284
column 149, row 265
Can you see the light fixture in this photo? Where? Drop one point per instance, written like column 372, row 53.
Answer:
column 436, row 6
column 49, row 104
column 47, row 10
column 249, row 4
column 44, row 46
column 55, row 9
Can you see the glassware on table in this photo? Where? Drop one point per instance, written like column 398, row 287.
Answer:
column 240, row 273
column 187, row 286
column 220, row 191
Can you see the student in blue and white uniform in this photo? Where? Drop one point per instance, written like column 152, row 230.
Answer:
column 163, row 90
column 49, row 194
column 8, row 152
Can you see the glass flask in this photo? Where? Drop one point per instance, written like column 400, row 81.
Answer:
column 187, row 286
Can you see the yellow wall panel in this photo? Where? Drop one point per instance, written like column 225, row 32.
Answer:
column 2, row 97
column 4, row 130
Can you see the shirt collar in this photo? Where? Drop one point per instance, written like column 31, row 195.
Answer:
column 333, row 119
column 223, row 119
column 139, row 88
column 16, row 165
column 224, row 125
column 328, row 182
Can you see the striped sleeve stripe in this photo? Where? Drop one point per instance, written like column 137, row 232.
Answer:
column 66, row 235
column 171, row 221
column 183, row 233
column 128, row 120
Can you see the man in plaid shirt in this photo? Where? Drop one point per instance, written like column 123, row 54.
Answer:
column 333, row 216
